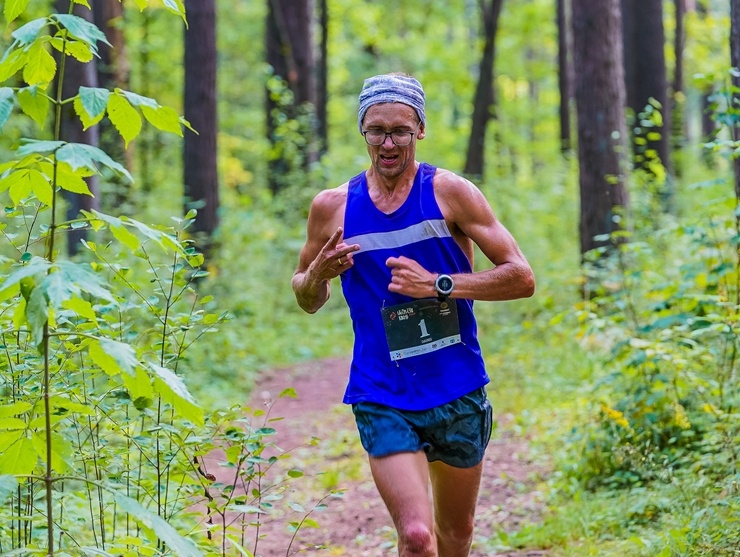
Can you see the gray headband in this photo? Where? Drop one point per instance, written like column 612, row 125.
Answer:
column 391, row 88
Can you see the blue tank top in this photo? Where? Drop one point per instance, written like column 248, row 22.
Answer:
column 416, row 230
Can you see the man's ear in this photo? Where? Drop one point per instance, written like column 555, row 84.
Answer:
column 421, row 133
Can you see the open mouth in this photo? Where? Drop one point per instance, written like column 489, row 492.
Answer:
column 388, row 159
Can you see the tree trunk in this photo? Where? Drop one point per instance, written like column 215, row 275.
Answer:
column 602, row 133
column 485, row 96
column 289, row 51
column 322, row 94
column 678, row 101
column 199, row 151
column 645, row 72
column 113, row 71
column 565, row 73
column 735, row 61
column 75, row 76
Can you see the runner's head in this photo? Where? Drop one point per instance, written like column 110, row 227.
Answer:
column 391, row 88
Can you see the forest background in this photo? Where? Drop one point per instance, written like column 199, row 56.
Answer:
column 130, row 343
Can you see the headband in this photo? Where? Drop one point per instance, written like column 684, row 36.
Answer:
column 391, row 88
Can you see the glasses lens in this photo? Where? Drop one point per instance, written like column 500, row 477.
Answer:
column 401, row 138
column 377, row 137
column 374, row 137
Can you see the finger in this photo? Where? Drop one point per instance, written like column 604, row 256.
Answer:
column 334, row 239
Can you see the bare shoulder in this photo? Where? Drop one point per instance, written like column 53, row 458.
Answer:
column 327, row 209
column 457, row 195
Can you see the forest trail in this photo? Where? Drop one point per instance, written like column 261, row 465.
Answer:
column 357, row 524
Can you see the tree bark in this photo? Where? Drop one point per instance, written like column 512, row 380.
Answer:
column 565, row 73
column 322, row 81
column 289, row 51
column 645, row 71
column 78, row 75
column 113, row 71
column 602, row 133
column 735, row 61
column 484, row 104
column 200, row 150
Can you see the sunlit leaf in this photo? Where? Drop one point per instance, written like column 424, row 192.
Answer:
column 172, row 389
column 139, row 385
column 14, row 8
column 81, row 307
column 13, row 63
column 94, row 100
column 40, row 67
column 19, row 458
column 79, row 155
column 69, row 180
column 83, row 277
column 14, row 409
column 177, row 545
column 124, row 117
column 113, row 357
column 163, row 118
column 37, row 314
column 34, row 103
column 82, row 30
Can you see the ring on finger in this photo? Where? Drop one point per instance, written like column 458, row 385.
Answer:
column 339, row 260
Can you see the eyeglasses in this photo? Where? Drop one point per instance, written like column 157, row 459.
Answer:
column 377, row 137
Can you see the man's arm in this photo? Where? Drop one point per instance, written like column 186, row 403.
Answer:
column 324, row 255
column 466, row 207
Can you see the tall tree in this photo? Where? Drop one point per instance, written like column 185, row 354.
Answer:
column 76, row 75
column 113, row 71
column 200, row 150
column 565, row 72
column 289, row 51
column 600, row 101
column 735, row 61
column 322, row 79
column 678, row 132
column 484, row 104
column 645, row 71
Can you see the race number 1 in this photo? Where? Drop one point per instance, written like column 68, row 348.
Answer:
column 420, row 327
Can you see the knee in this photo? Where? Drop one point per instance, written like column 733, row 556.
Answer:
column 417, row 538
column 455, row 534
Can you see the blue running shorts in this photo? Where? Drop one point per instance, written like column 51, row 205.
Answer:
column 457, row 433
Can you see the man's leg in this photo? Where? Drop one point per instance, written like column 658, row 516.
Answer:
column 403, row 482
column 455, row 493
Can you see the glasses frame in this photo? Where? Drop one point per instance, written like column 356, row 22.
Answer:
column 412, row 134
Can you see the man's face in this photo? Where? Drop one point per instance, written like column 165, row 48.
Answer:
column 390, row 160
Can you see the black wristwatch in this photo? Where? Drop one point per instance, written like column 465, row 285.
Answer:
column 444, row 285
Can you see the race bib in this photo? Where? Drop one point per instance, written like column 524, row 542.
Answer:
column 420, row 327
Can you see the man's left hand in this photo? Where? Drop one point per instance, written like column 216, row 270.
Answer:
column 410, row 279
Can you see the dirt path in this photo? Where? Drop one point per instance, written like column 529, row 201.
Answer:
column 357, row 524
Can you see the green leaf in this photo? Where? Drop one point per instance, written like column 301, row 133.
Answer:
column 40, row 66
column 113, row 357
column 138, row 100
column 69, row 180
column 82, row 30
column 27, row 33
column 15, row 409
column 22, row 182
column 8, row 485
column 178, row 545
column 119, row 231
column 7, row 97
column 12, row 424
column 14, row 8
column 29, row 146
column 124, row 117
column 37, row 314
column 77, row 49
column 80, row 307
column 173, row 391
column 34, row 103
column 11, row 64
column 82, row 276
column 176, row 6
column 163, row 118
column 94, row 100
column 141, row 4
column 19, row 458
column 246, row 509
column 139, row 386
column 79, row 155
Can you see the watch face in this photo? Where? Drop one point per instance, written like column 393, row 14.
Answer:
column 444, row 284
